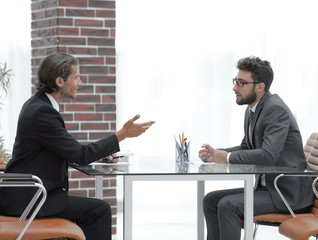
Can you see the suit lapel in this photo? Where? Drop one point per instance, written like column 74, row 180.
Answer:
column 257, row 113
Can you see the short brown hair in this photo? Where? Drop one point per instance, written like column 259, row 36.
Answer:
column 261, row 71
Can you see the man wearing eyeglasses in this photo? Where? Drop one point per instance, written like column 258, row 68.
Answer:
column 272, row 137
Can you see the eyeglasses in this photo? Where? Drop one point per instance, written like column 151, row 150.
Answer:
column 240, row 83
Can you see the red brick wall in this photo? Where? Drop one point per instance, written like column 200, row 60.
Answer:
column 86, row 30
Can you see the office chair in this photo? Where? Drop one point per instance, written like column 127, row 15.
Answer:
column 275, row 219
column 301, row 228
column 304, row 227
column 34, row 228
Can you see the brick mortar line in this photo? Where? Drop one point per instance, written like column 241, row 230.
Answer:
column 71, row 7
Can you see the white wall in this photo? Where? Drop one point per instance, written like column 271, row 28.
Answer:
column 15, row 50
column 175, row 62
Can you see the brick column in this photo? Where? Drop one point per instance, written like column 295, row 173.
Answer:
column 86, row 30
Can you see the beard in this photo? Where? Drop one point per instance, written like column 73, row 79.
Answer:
column 250, row 98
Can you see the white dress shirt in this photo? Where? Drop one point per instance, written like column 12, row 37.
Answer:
column 54, row 103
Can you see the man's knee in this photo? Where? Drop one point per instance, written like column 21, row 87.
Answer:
column 210, row 201
column 206, row 202
column 227, row 204
column 98, row 209
column 104, row 207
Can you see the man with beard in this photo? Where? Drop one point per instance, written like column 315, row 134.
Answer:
column 271, row 138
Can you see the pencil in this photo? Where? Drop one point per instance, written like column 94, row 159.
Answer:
column 182, row 143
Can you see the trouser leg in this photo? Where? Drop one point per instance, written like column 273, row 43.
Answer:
column 224, row 212
column 210, row 208
column 92, row 215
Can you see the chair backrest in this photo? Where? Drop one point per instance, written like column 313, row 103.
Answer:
column 311, row 151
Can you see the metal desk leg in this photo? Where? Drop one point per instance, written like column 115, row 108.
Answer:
column 99, row 186
column 248, row 207
column 128, row 207
column 200, row 216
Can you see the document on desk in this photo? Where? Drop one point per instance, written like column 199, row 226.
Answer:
column 110, row 164
column 207, row 163
column 199, row 161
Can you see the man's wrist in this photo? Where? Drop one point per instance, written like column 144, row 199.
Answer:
column 120, row 135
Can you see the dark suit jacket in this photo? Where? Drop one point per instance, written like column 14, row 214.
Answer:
column 277, row 142
column 44, row 147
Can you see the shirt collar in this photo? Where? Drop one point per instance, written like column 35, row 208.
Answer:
column 53, row 102
column 254, row 107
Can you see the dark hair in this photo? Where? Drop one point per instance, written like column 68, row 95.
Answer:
column 261, row 71
column 52, row 67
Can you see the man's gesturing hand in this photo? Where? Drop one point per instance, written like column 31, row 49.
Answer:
column 132, row 129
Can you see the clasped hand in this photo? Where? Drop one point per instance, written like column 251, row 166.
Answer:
column 209, row 154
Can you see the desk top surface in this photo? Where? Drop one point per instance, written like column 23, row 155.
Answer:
column 168, row 166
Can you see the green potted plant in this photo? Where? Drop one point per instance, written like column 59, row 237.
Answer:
column 5, row 75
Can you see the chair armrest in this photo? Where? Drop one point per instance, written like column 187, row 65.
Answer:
column 313, row 174
column 314, row 187
column 16, row 175
column 26, row 180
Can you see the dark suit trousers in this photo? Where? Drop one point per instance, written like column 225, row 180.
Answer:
column 92, row 215
column 224, row 211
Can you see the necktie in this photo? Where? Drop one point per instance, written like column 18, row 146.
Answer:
column 251, row 117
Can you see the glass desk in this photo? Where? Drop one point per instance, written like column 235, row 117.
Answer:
column 166, row 169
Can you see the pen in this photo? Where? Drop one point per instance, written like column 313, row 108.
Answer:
column 182, row 143
column 118, row 157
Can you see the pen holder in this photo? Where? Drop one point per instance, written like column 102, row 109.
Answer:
column 182, row 154
column 182, row 167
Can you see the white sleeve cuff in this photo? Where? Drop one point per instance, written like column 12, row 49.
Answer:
column 228, row 157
